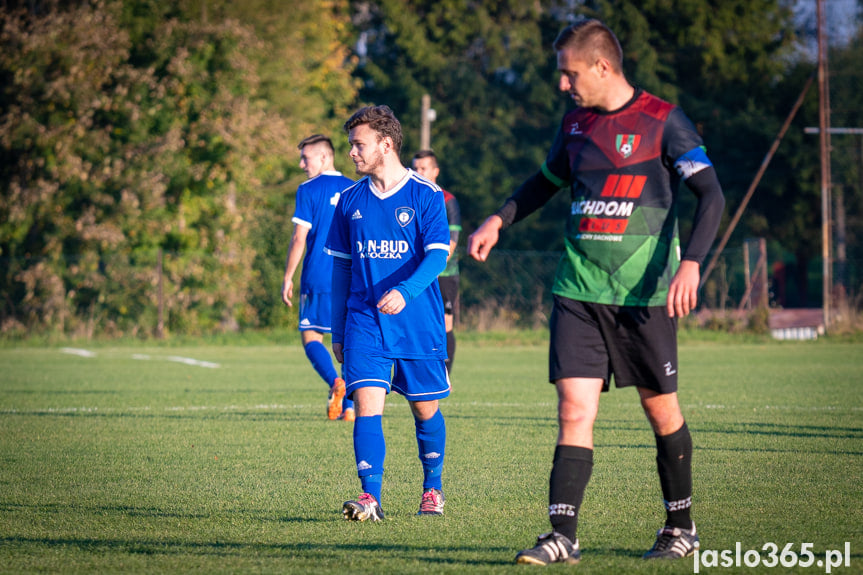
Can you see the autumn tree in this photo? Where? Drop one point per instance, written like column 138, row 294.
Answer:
column 112, row 150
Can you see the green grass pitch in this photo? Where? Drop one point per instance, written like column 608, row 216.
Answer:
column 219, row 459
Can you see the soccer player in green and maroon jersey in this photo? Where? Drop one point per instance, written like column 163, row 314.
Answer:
column 623, row 280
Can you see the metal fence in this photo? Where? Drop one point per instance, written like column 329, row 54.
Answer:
column 147, row 296
column 512, row 289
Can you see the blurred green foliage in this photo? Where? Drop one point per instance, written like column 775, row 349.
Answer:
column 130, row 128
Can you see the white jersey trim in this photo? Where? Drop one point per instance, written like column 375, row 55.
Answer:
column 324, row 173
column 301, row 222
column 384, row 195
column 429, row 183
column 430, row 247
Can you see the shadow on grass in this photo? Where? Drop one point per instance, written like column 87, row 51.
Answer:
column 785, row 430
column 303, row 550
column 309, row 550
column 184, row 413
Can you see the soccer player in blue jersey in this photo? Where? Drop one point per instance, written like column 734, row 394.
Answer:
column 390, row 240
column 624, row 278
column 316, row 201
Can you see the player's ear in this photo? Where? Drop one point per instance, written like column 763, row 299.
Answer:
column 603, row 66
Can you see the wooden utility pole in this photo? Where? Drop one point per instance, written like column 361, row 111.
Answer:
column 762, row 256
column 824, row 147
column 840, row 253
column 427, row 116
column 762, row 298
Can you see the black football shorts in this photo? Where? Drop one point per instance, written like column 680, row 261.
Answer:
column 637, row 345
column 449, row 293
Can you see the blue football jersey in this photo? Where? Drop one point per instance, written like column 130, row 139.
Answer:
column 386, row 236
column 316, row 203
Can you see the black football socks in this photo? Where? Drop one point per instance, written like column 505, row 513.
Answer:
column 570, row 473
column 674, row 463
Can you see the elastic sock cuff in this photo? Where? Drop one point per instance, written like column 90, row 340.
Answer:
column 573, row 452
column 681, row 433
column 431, row 424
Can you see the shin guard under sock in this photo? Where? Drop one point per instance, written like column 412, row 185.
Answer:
column 431, row 440
column 570, row 473
column 320, row 359
column 369, row 452
column 674, row 463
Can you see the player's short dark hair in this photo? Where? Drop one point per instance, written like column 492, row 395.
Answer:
column 382, row 120
column 591, row 39
column 426, row 154
column 316, row 139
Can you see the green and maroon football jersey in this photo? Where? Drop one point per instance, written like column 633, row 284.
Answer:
column 624, row 169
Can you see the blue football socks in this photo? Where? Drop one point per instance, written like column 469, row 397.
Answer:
column 369, row 452
column 320, row 358
column 346, row 402
column 431, row 439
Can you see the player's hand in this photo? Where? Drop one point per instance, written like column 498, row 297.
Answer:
column 683, row 291
column 288, row 292
column 392, row 302
column 338, row 352
column 485, row 237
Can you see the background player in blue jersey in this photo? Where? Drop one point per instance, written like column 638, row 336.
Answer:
column 390, row 240
column 623, row 280
column 315, row 204
column 425, row 164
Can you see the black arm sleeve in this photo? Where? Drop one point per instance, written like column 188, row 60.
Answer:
column 708, row 213
column 534, row 193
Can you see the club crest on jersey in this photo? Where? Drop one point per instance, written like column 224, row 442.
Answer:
column 626, row 144
column 404, row 216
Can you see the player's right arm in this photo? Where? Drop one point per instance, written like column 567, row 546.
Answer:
column 534, row 193
column 485, row 237
column 339, row 302
column 292, row 262
column 338, row 245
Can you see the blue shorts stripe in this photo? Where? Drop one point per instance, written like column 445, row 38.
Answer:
column 416, row 379
column 315, row 312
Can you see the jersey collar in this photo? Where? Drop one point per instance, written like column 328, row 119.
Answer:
column 381, row 195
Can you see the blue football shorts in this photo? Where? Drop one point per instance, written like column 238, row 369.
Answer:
column 416, row 379
column 315, row 312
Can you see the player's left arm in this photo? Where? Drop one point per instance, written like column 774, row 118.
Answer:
column 700, row 177
column 685, row 149
column 435, row 240
column 432, row 264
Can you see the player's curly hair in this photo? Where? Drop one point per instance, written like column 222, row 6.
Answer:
column 382, row 120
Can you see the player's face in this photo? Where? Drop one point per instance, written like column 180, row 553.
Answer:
column 426, row 168
column 366, row 150
column 582, row 81
column 313, row 160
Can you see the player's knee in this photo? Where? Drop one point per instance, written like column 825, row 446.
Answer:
column 575, row 416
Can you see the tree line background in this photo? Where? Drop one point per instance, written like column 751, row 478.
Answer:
column 148, row 149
